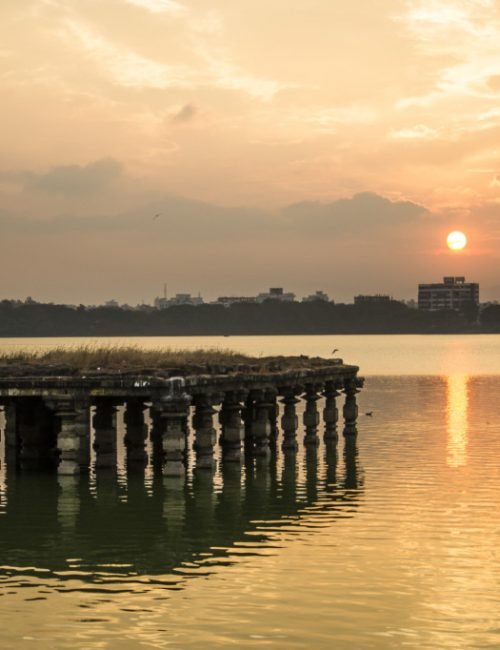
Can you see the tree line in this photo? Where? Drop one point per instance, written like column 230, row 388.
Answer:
column 19, row 319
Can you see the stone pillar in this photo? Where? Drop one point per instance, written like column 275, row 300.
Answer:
column 233, row 427
column 29, row 434
column 311, row 416
column 205, row 435
column 261, row 424
column 289, row 420
column 173, row 412
column 247, row 415
column 11, row 437
column 273, row 418
column 105, row 433
column 154, row 415
column 350, row 410
column 330, row 412
column 136, row 432
column 73, row 436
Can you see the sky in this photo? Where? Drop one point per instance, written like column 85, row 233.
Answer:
column 309, row 144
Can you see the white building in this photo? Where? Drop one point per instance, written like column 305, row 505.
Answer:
column 178, row 299
column 452, row 293
column 276, row 293
column 318, row 295
column 227, row 301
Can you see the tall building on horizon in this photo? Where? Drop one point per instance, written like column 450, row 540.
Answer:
column 453, row 293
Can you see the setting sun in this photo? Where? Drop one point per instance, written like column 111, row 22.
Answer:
column 456, row 240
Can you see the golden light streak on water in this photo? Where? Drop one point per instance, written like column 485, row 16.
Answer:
column 457, row 419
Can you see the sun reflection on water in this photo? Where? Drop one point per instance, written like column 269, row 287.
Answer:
column 457, row 406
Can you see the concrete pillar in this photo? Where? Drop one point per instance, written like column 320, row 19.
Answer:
column 154, row 415
column 330, row 412
column 73, row 435
column 173, row 411
column 289, row 420
column 104, row 422
column 311, row 416
column 350, row 410
column 28, row 429
column 11, row 438
column 136, row 432
column 273, row 418
column 247, row 415
column 261, row 424
column 233, row 427
column 204, row 432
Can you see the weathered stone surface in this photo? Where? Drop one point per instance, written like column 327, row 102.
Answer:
column 248, row 412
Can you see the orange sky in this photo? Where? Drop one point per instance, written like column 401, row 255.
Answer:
column 311, row 144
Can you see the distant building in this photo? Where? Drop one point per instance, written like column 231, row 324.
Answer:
column 375, row 299
column 276, row 293
column 452, row 293
column 227, row 301
column 112, row 303
column 318, row 295
column 178, row 299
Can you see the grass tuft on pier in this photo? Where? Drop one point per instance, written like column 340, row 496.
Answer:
column 127, row 359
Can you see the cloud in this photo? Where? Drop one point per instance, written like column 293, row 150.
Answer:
column 124, row 65
column 461, row 37
column 362, row 213
column 417, row 132
column 69, row 179
column 186, row 220
column 159, row 6
column 494, row 82
column 185, row 114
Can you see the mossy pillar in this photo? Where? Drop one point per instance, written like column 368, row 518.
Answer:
column 350, row 410
column 261, row 423
column 233, row 427
column 173, row 411
column 73, row 435
column 205, row 435
column 289, row 420
column 311, row 416
column 330, row 412
column 136, row 431
column 105, row 433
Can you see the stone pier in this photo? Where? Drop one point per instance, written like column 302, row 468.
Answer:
column 221, row 414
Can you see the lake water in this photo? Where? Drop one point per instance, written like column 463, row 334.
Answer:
column 389, row 541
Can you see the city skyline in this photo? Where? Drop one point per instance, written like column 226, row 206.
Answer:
column 195, row 144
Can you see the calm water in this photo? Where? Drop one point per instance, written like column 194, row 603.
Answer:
column 390, row 542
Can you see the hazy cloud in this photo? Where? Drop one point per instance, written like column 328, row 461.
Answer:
column 361, row 213
column 159, row 6
column 69, row 179
column 185, row 114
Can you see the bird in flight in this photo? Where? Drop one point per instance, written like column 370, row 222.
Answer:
column 335, row 350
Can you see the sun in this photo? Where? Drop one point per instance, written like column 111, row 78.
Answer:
column 456, row 240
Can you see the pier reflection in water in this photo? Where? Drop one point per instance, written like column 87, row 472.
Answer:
column 110, row 526
column 385, row 541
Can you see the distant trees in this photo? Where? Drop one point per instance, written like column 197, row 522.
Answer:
column 270, row 317
column 490, row 318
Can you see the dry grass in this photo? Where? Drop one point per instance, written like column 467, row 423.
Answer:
column 88, row 357
column 133, row 359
